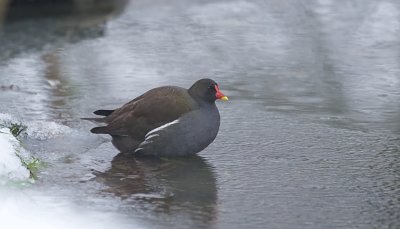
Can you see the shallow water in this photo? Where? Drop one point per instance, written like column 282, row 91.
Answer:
column 309, row 138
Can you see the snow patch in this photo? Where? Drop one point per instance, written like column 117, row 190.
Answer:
column 11, row 168
column 35, row 211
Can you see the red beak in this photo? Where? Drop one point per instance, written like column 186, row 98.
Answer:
column 219, row 94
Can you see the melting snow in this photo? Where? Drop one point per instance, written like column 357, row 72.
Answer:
column 11, row 168
column 23, row 208
column 43, row 130
column 35, row 211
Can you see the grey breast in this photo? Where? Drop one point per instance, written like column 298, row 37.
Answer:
column 189, row 134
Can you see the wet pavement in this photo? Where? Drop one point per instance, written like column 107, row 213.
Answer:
column 309, row 138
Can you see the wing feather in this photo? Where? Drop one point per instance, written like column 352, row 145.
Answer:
column 148, row 111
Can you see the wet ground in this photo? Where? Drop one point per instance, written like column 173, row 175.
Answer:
column 309, row 138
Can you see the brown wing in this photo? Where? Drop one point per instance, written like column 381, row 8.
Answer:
column 148, row 111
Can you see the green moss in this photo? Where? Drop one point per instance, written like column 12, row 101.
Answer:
column 33, row 166
column 31, row 163
column 16, row 129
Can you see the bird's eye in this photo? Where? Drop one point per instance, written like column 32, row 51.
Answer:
column 210, row 87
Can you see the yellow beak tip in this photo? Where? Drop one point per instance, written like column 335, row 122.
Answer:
column 225, row 98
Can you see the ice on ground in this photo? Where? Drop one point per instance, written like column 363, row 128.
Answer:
column 35, row 211
column 7, row 119
column 13, row 157
column 12, row 154
column 40, row 130
column 11, row 168
column 25, row 208
column 43, row 130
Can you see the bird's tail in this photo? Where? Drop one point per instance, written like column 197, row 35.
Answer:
column 99, row 130
column 103, row 112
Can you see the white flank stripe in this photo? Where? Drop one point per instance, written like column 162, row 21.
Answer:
column 147, row 139
column 151, row 136
column 162, row 127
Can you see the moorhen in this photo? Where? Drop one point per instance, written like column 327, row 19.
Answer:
column 165, row 121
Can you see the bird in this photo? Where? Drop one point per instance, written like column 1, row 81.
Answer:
column 165, row 121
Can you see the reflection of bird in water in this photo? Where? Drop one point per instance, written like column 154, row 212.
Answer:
column 166, row 186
